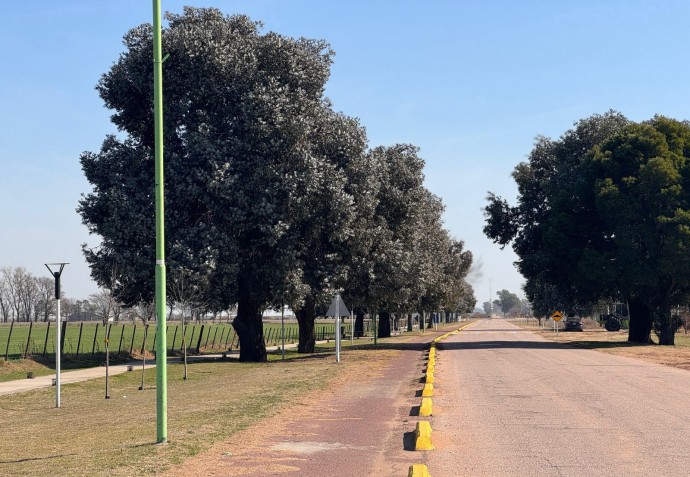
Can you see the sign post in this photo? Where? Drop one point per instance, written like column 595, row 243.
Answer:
column 337, row 309
column 556, row 316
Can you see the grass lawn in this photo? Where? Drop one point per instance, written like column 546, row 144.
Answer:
column 90, row 435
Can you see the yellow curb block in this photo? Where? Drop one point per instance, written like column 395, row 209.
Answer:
column 418, row 470
column 423, row 436
column 425, row 407
column 430, row 368
column 428, row 390
column 429, row 378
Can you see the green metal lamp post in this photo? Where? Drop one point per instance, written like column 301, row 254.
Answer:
column 161, row 345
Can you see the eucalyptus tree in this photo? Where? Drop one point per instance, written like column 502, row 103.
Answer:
column 245, row 149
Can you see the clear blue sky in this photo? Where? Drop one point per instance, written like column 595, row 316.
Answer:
column 470, row 82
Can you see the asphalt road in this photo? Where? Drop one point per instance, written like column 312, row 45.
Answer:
column 508, row 403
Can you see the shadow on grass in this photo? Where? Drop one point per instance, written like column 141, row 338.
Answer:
column 29, row 459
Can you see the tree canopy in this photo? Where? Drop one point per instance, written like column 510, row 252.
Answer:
column 273, row 197
column 603, row 213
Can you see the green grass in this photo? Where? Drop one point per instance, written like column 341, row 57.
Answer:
column 90, row 435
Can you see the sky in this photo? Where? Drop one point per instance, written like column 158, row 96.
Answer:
column 471, row 83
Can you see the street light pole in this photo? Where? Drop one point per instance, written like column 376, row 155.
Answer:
column 58, row 322
column 161, row 344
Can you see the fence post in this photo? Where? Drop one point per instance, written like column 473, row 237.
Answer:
column 7, row 348
column 62, row 338
column 222, row 334
column 95, row 337
column 45, row 343
column 28, row 340
column 208, row 336
column 213, row 343
column 146, row 334
column 201, row 335
column 172, row 346
column 122, row 335
column 155, row 335
column 81, row 327
column 131, row 344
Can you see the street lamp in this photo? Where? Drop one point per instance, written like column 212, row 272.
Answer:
column 56, row 274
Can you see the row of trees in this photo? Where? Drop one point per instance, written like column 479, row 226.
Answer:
column 273, row 197
column 24, row 296
column 603, row 213
column 507, row 303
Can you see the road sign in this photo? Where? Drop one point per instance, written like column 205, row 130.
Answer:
column 557, row 315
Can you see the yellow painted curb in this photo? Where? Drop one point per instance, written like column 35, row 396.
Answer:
column 425, row 408
column 430, row 368
column 418, row 470
column 423, row 436
column 429, row 378
column 428, row 390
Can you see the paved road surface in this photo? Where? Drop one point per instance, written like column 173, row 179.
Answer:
column 509, row 403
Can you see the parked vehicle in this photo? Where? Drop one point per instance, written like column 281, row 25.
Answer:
column 573, row 323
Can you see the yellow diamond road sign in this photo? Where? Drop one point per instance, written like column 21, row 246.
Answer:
column 557, row 315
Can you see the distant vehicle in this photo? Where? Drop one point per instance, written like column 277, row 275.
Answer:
column 573, row 323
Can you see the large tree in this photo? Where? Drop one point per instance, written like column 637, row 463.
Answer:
column 640, row 191
column 548, row 233
column 244, row 159
column 604, row 213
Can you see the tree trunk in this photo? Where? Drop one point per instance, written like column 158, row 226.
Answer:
column 421, row 320
column 305, row 320
column 249, row 329
column 409, row 322
column 640, row 322
column 384, row 328
column 359, row 324
column 667, row 328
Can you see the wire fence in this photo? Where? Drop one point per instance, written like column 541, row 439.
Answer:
column 37, row 339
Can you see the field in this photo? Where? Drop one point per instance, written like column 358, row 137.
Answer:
column 90, row 435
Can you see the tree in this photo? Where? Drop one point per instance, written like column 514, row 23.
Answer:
column 488, row 308
column 604, row 214
column 507, row 301
column 105, row 306
column 640, row 193
column 547, row 230
column 242, row 122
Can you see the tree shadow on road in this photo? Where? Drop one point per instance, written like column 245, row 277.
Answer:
column 503, row 344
